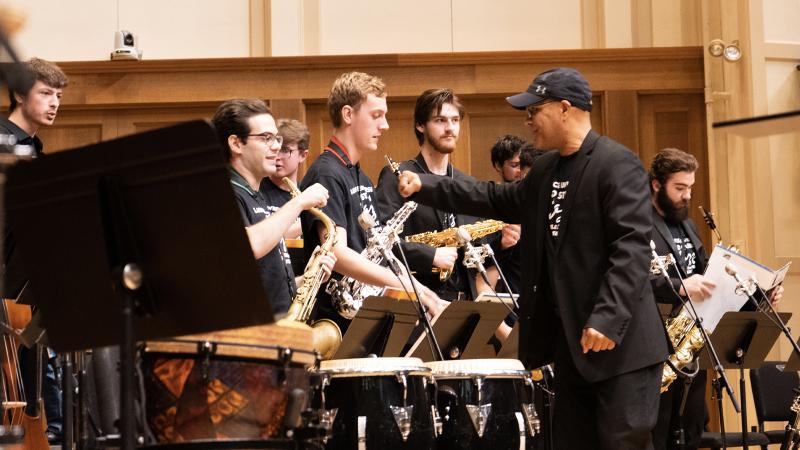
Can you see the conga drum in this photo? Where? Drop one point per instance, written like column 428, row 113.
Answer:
column 485, row 404
column 230, row 384
column 378, row 403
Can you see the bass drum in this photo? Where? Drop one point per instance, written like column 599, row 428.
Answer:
column 228, row 385
column 485, row 404
column 378, row 403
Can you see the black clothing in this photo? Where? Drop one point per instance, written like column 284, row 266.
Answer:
column 426, row 218
column 599, row 272
column 665, row 244
column 275, row 269
column 14, row 273
column 349, row 193
column 275, row 196
column 682, row 241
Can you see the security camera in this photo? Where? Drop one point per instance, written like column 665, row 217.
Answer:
column 125, row 46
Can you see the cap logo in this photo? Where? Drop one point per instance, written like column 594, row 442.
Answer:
column 541, row 90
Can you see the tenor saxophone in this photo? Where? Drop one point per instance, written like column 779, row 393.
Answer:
column 449, row 238
column 326, row 334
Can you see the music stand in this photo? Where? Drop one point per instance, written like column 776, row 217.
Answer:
column 161, row 200
column 462, row 329
column 381, row 327
column 742, row 340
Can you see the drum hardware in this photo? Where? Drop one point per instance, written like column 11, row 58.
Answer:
column 326, row 416
column 206, row 350
column 402, row 414
column 479, row 413
column 529, row 410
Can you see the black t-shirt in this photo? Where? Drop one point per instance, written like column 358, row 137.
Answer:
column 687, row 255
column 275, row 270
column 15, row 276
column 349, row 193
column 275, row 196
column 562, row 176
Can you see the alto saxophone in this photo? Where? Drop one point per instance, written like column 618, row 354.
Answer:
column 326, row 334
column 449, row 238
column 683, row 331
column 348, row 294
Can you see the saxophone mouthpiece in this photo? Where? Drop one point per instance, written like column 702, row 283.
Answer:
column 731, row 270
column 708, row 217
column 393, row 165
column 652, row 245
column 366, row 221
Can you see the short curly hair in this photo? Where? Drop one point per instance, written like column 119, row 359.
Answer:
column 669, row 161
column 505, row 148
column 352, row 88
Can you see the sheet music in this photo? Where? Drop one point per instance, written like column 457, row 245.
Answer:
column 723, row 297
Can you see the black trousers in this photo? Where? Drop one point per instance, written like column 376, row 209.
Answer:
column 693, row 419
column 615, row 414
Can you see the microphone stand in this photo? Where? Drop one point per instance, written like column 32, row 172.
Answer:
column 722, row 380
column 473, row 259
column 764, row 307
column 417, row 300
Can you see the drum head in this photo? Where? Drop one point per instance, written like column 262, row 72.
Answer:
column 372, row 366
column 490, row 368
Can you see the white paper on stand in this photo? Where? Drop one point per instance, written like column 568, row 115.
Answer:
column 723, row 297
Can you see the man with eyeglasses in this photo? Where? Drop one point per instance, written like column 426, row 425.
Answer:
column 293, row 152
column 586, row 301
column 246, row 130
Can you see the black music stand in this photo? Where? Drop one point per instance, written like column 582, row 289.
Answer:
column 742, row 341
column 462, row 329
column 160, row 200
column 381, row 327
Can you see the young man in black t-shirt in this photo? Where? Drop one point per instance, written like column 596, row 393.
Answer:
column 357, row 107
column 247, row 130
column 33, row 104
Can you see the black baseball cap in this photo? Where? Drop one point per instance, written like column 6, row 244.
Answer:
column 561, row 83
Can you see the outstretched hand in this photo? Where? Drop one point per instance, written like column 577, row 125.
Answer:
column 409, row 183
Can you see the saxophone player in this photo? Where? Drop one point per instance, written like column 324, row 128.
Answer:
column 672, row 176
column 437, row 121
column 357, row 108
column 246, row 130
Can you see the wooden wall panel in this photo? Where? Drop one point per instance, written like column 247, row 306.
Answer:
column 677, row 120
column 120, row 98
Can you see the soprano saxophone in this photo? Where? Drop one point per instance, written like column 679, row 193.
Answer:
column 326, row 334
column 348, row 294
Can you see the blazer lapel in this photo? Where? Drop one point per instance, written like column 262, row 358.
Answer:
column 581, row 160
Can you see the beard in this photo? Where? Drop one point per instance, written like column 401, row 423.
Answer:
column 673, row 212
column 434, row 143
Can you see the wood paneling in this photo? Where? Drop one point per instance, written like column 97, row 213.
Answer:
column 119, row 98
column 677, row 120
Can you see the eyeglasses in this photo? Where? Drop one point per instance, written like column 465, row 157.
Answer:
column 286, row 151
column 268, row 138
column 534, row 109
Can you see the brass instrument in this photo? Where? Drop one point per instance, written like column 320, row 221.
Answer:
column 683, row 332
column 326, row 334
column 449, row 238
column 790, row 438
column 348, row 294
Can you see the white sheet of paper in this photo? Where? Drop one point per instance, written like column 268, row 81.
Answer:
column 723, row 297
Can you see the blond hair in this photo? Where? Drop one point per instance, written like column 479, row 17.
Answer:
column 352, row 88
